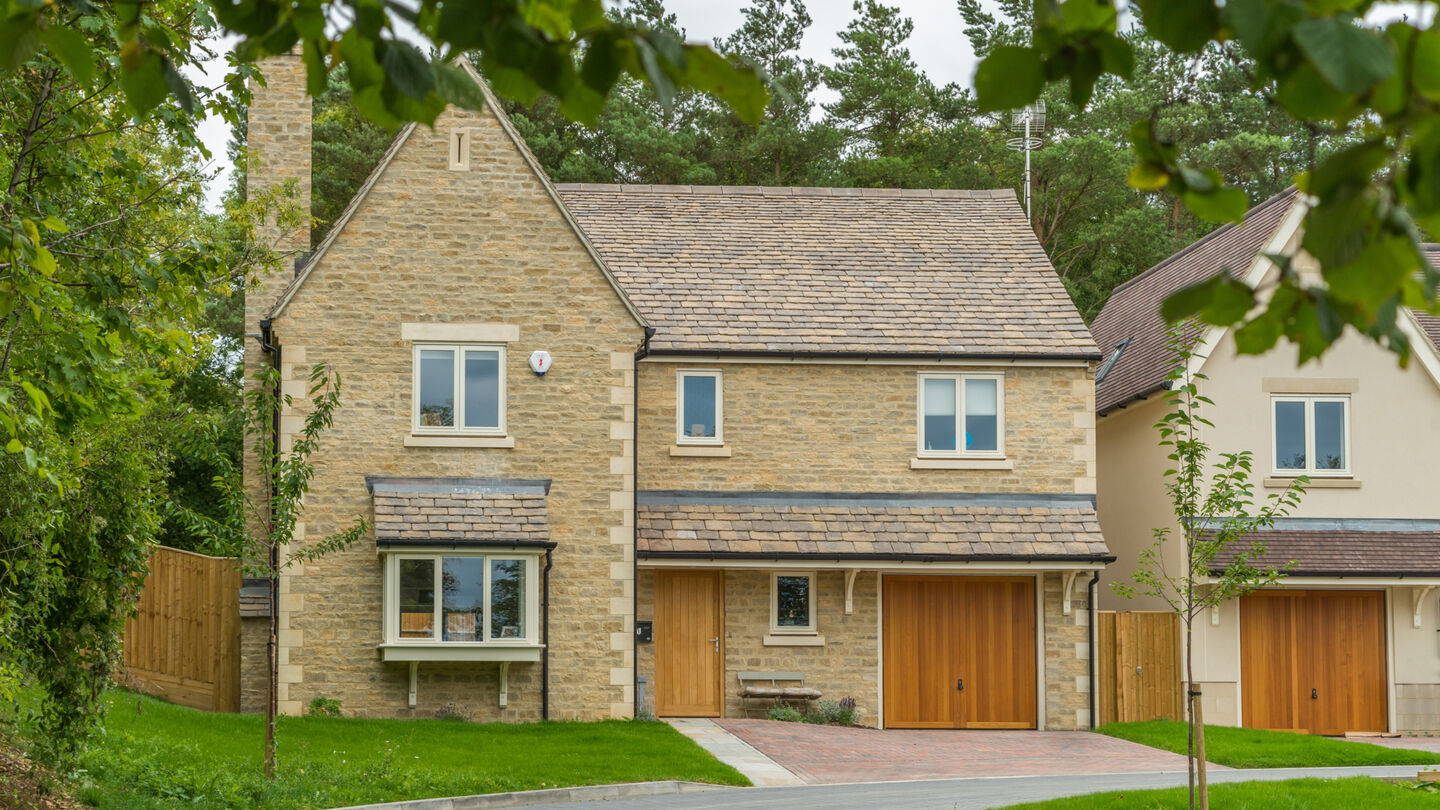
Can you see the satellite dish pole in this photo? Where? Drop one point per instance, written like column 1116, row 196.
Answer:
column 1029, row 121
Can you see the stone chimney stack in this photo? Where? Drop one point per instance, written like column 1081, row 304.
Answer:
column 279, row 150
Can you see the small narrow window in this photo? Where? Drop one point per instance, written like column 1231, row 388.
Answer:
column 507, row 599
column 459, row 389
column 698, row 408
column 792, row 603
column 1311, row 435
column 417, row 598
column 459, row 149
column 962, row 415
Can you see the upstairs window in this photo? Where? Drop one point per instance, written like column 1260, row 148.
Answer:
column 962, row 415
column 698, row 408
column 459, row 389
column 1311, row 435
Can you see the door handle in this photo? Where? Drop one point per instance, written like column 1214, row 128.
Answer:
column 1314, row 695
column 716, row 642
column 960, row 684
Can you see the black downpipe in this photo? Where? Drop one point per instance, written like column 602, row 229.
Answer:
column 1094, row 649
column 635, row 518
column 545, row 640
column 271, row 644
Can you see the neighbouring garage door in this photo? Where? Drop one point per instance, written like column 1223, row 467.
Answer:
column 959, row 652
column 1313, row 661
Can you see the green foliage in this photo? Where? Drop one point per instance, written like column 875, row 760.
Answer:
column 346, row 147
column 321, row 706
column 831, row 712
column 787, row 714
column 1340, row 78
column 1257, row 748
column 156, row 756
column 1295, row 794
column 568, row 49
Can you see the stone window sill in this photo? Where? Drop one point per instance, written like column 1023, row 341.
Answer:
column 794, row 641
column 700, row 450
column 1315, row 483
column 459, row 651
column 961, row 464
column 414, row 440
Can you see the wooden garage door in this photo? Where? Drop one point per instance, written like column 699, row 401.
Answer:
column 959, row 652
column 1313, row 661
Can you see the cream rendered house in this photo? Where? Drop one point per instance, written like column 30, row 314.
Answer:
column 1350, row 643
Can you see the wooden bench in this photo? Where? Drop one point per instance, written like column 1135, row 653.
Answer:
column 760, row 691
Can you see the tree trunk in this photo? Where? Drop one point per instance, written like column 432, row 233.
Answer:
column 1200, row 753
column 273, row 675
column 1190, row 714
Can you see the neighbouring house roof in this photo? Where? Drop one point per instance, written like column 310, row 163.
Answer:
column 475, row 512
column 734, row 269
column 1430, row 324
column 1133, row 310
column 940, row 527
column 1321, row 552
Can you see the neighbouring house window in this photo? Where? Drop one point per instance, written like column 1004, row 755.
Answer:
column 459, row 389
column 698, row 408
column 469, row 598
column 792, row 603
column 962, row 415
column 1312, row 435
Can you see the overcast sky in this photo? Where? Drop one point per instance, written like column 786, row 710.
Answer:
column 938, row 45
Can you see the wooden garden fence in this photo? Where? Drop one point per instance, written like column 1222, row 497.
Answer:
column 183, row 644
column 1138, row 663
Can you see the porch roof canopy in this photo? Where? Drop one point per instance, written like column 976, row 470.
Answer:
column 868, row 526
column 1343, row 552
column 470, row 512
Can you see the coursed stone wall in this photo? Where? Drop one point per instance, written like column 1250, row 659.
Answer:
column 484, row 245
column 853, row 428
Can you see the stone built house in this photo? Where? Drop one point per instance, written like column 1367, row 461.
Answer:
column 622, row 444
column 1349, row 643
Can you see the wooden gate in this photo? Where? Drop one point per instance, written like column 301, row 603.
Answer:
column 183, row 643
column 1138, row 663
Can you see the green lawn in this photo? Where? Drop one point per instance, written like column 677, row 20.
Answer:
column 165, row 756
column 1252, row 748
column 1296, row 794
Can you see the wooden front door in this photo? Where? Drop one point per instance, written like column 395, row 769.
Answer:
column 689, row 657
column 1313, row 661
column 959, row 652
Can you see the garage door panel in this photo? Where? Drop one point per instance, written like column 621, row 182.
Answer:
column 938, row 630
column 1313, row 661
column 999, row 616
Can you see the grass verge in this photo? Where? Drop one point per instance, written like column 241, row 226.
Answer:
column 156, row 755
column 1253, row 748
column 1295, row 794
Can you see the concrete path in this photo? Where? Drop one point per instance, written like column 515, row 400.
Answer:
column 833, row 755
column 958, row 794
column 761, row 770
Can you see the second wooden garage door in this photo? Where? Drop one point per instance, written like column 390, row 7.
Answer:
column 1313, row 661
column 959, row 652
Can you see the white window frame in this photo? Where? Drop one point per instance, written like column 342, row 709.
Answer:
column 960, row 451
column 1310, row 470
column 459, row 428
column 680, row 437
column 775, row 628
column 531, row 597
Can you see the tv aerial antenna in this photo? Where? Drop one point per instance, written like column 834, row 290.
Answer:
column 1028, row 123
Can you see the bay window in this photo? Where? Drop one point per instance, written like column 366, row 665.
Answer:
column 461, row 598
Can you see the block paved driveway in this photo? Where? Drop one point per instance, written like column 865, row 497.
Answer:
column 823, row 755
